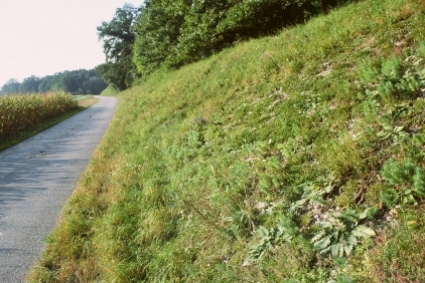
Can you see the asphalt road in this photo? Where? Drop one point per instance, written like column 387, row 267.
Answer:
column 36, row 177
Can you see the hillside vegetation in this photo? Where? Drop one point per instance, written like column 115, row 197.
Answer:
column 168, row 34
column 293, row 158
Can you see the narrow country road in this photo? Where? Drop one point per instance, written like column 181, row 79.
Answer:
column 36, row 177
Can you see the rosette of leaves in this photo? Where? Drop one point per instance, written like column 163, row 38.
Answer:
column 405, row 183
column 341, row 233
column 285, row 231
column 396, row 77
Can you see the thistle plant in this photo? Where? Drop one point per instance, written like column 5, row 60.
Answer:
column 341, row 233
column 395, row 77
column 285, row 231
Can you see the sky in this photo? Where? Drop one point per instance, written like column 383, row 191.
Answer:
column 44, row 37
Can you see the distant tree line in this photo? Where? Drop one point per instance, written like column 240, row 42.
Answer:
column 173, row 33
column 74, row 82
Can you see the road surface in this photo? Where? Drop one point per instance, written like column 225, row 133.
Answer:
column 36, row 177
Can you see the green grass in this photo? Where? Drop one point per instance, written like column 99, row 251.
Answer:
column 109, row 91
column 82, row 96
column 6, row 142
column 293, row 158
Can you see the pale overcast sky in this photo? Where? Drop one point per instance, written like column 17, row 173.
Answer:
column 43, row 37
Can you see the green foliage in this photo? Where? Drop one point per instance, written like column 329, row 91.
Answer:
column 74, row 82
column 109, row 91
column 117, row 74
column 224, row 170
column 199, row 37
column 10, row 87
column 292, row 262
column 340, row 234
column 157, row 30
column 395, row 77
column 406, row 183
column 175, row 33
column 270, row 238
column 30, row 85
column 118, row 39
column 247, row 19
column 399, row 256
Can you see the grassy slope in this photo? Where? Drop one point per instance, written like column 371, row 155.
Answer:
column 200, row 176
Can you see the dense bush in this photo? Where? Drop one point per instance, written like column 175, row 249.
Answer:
column 157, row 32
column 138, row 41
column 253, row 18
column 175, row 33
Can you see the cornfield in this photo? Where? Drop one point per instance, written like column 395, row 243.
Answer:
column 18, row 112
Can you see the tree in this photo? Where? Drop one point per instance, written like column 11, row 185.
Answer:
column 157, row 33
column 173, row 33
column 10, row 87
column 118, row 39
column 29, row 84
column 199, row 37
column 76, row 82
column 94, row 85
column 247, row 19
